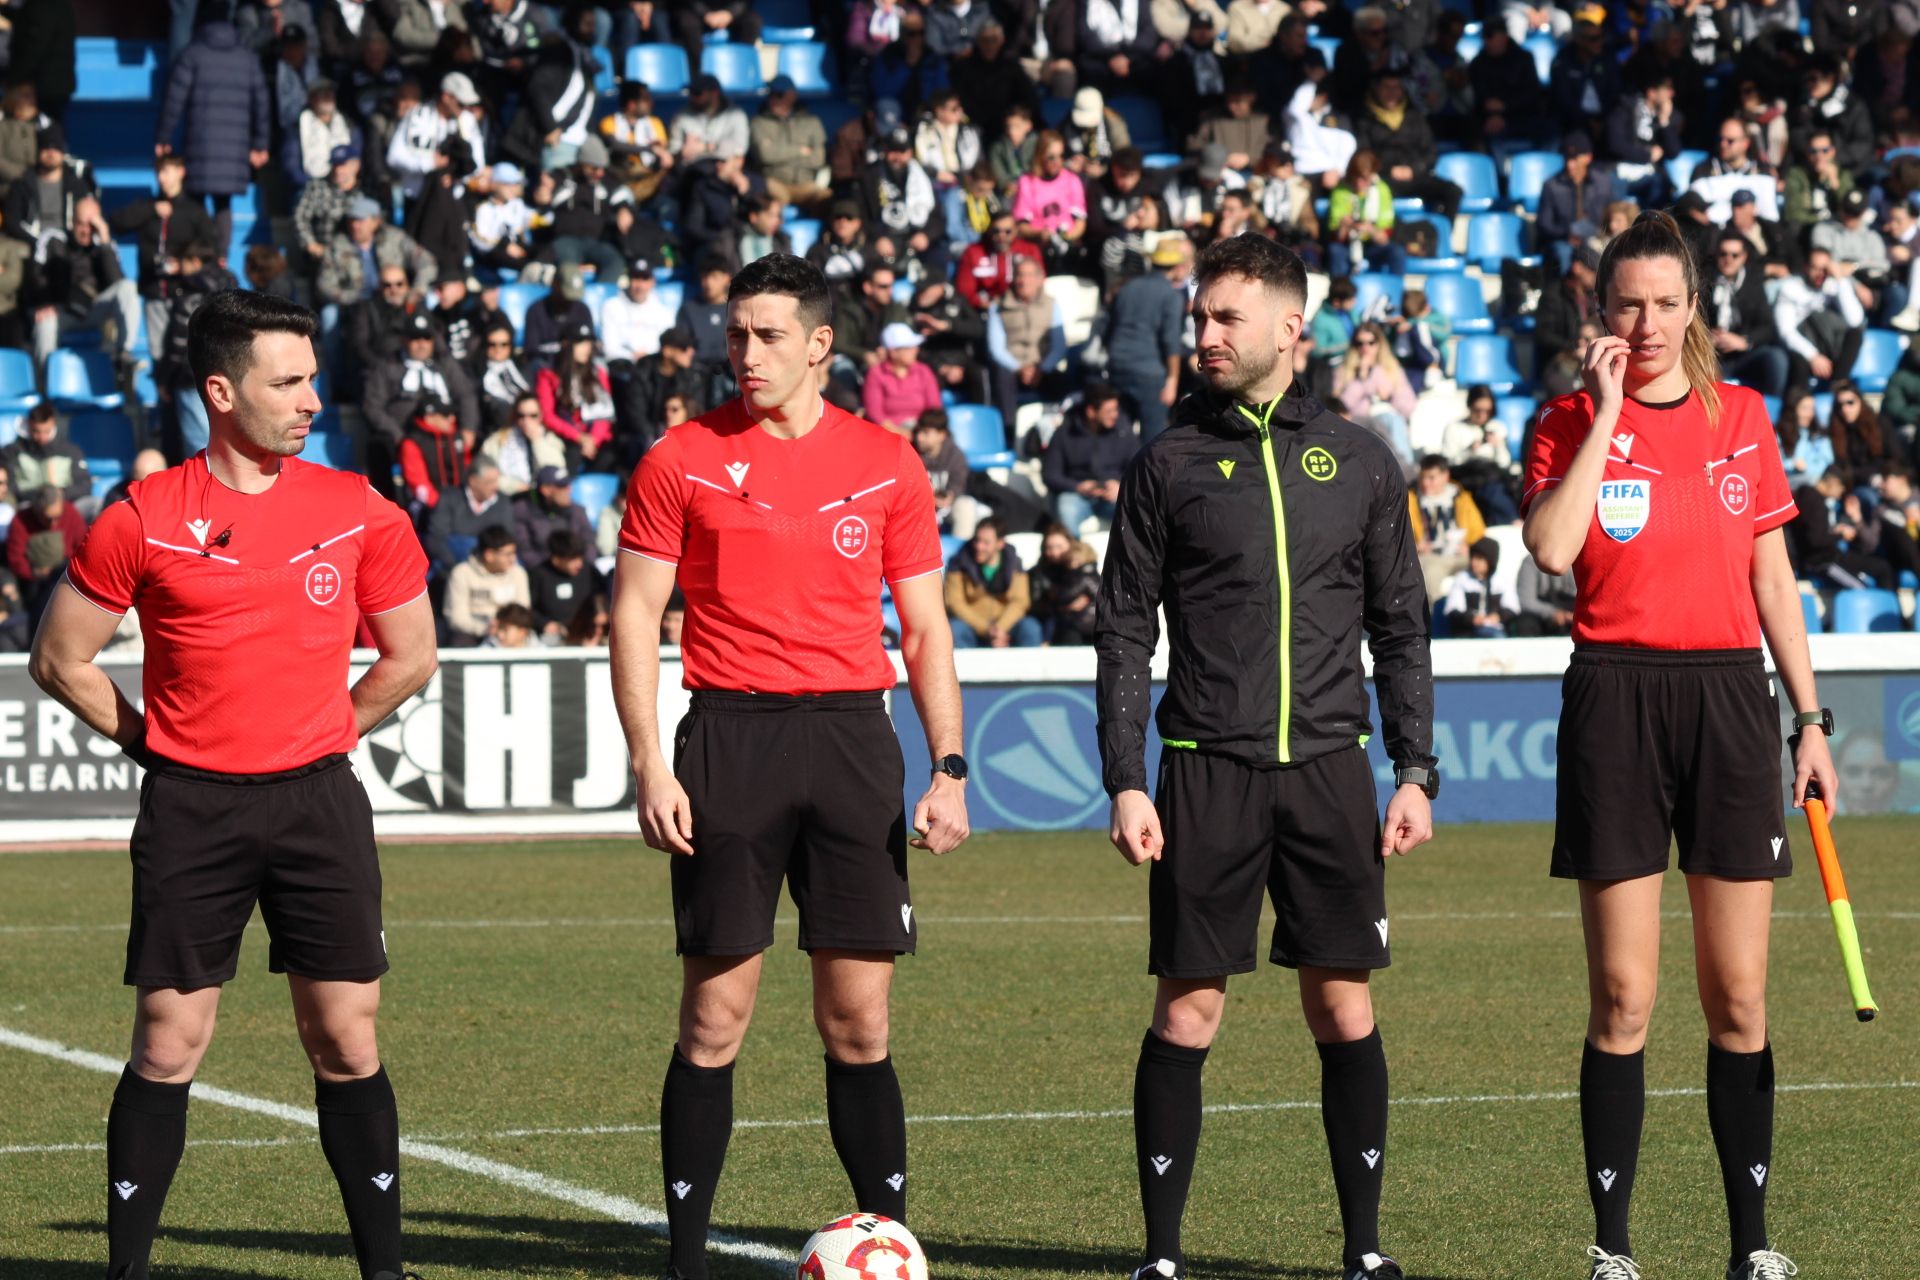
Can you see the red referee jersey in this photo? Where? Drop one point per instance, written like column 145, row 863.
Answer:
column 782, row 546
column 1667, row 559
column 247, row 639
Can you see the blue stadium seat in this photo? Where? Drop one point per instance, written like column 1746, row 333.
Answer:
column 1444, row 259
column 737, row 66
column 804, row 233
column 1145, row 126
column 1810, row 611
column 672, row 293
column 82, row 380
column 1468, row 46
column 1527, row 173
column 104, row 476
column 144, row 389
column 1680, row 168
column 1476, row 177
column 1541, row 45
column 107, row 437
column 110, row 70
column 806, row 62
column 1162, row 160
column 1457, row 296
column 1880, row 353
column 598, row 292
column 1328, row 46
column 1492, row 238
column 1864, row 609
column 661, row 67
column 1909, row 580
column 17, row 394
column 786, row 35
column 1371, row 286
column 981, row 434
column 1773, row 407
column 516, row 300
column 12, row 427
column 331, row 449
column 1823, row 406
column 593, row 492
column 1488, row 358
column 903, row 291
column 1517, row 413
column 950, row 546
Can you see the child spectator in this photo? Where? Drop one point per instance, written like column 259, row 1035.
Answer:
column 1419, row 337
column 512, row 627
column 502, row 234
column 1474, row 607
column 481, row 585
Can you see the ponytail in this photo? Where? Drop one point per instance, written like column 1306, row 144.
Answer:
column 1657, row 235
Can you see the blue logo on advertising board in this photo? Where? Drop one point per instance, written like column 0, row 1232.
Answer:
column 1902, row 701
column 1034, row 760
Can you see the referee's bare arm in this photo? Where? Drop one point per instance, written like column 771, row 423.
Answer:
column 408, row 659
column 926, row 645
column 1557, row 522
column 641, row 589
column 1776, row 597
column 72, row 633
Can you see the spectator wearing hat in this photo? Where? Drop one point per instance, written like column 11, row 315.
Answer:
column 641, row 401
column 523, row 446
column 843, row 250
column 162, row 226
column 322, row 208
column 1125, row 219
column 1741, row 319
column 502, row 231
column 75, row 284
column 1086, row 458
column 487, row 581
column 907, row 71
column 631, row 322
column 43, row 457
column 553, row 319
column 1193, row 81
column 217, row 98
column 897, row 196
column 414, row 150
column 788, row 144
column 1690, row 213
column 709, row 125
column 991, row 81
column 57, row 181
column 319, row 129
column 464, row 319
column 695, row 20
column 546, row 509
column 1859, row 254
column 636, row 138
column 562, row 585
column 419, row 370
column 364, row 249
column 1585, row 82
column 1094, row 134
column 1145, row 336
column 1573, row 202
column 899, row 389
column 580, row 203
column 576, row 395
column 434, row 453
column 1770, row 248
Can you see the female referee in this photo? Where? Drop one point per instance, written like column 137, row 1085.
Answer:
column 1663, row 489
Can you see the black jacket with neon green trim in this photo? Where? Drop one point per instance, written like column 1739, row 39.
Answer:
column 1264, row 607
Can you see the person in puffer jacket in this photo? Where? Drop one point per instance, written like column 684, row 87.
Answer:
column 434, row 453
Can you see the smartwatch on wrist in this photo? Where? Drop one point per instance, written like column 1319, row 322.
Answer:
column 954, row 766
column 1428, row 780
column 1807, row 719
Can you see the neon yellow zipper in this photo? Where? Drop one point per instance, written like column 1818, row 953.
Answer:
column 1261, row 419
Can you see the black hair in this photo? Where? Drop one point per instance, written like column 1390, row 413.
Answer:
column 1479, row 391
column 565, row 544
column 494, row 537
column 1097, row 394
column 220, row 335
column 515, row 614
column 1255, row 258
column 42, row 412
column 1435, row 462
column 934, row 419
column 785, row 275
column 994, row 523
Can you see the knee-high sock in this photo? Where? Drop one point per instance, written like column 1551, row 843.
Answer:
column 360, row 1134
column 1613, row 1106
column 146, row 1132
column 1740, row 1113
column 1353, row 1107
column 868, row 1121
column 696, row 1122
column 1166, row 1138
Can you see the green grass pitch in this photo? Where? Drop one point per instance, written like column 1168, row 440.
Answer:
column 528, row 1021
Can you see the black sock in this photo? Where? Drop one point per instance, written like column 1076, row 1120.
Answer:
column 360, row 1134
column 696, row 1121
column 146, row 1132
column 868, row 1121
column 1740, row 1113
column 1613, row 1106
column 1353, row 1107
column 1166, row 1136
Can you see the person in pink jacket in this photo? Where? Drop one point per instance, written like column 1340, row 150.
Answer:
column 1373, row 390
column 899, row 389
column 576, row 400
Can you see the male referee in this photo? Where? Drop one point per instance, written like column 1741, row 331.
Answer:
column 781, row 517
column 1273, row 532
column 250, row 569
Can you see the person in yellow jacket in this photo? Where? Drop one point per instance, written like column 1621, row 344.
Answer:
column 1446, row 521
column 988, row 595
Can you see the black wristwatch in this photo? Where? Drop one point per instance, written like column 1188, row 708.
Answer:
column 1807, row 719
column 1428, row 780
column 954, row 766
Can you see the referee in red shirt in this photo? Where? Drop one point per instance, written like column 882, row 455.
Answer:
column 781, row 518
column 1662, row 488
column 249, row 569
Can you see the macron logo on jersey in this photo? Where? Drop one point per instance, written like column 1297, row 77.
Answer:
column 1624, row 443
column 737, row 472
column 198, row 528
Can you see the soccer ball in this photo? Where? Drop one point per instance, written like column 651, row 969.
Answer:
column 862, row 1246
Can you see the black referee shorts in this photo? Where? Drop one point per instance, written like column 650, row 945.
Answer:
column 802, row 789
column 1308, row 835
column 208, row 846
column 1658, row 745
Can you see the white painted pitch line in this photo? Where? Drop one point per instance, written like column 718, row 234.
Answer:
column 649, row 922
column 619, row 1208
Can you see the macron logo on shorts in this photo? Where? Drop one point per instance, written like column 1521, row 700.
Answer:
column 906, row 917
column 1380, row 926
column 1777, row 842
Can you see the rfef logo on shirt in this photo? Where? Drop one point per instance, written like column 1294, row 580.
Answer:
column 850, row 537
column 1624, row 507
column 323, row 583
column 1735, row 492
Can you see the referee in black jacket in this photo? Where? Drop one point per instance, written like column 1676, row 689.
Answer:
column 1272, row 532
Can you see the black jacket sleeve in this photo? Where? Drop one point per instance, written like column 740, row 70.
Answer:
column 1398, row 621
column 1129, row 624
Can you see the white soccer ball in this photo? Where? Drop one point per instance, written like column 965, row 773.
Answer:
column 862, row 1246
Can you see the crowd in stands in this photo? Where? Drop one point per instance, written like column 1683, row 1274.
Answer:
column 518, row 222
